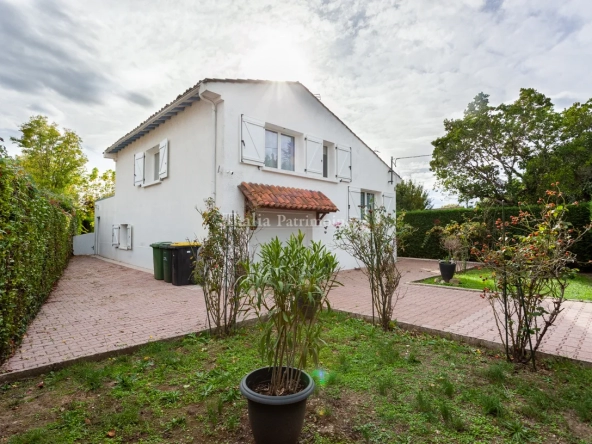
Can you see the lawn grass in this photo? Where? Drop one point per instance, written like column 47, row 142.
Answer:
column 579, row 288
column 374, row 387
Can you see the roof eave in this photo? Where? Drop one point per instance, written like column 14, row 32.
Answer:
column 156, row 120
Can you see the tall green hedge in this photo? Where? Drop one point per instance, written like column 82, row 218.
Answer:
column 418, row 246
column 36, row 232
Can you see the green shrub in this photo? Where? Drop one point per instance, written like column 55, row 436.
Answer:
column 419, row 246
column 36, row 232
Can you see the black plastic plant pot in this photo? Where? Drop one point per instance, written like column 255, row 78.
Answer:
column 447, row 270
column 275, row 419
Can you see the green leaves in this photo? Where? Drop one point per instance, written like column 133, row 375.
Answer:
column 35, row 245
column 288, row 287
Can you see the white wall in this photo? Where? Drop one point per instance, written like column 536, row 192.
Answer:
column 292, row 107
column 165, row 211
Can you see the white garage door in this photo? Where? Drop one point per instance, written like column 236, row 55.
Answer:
column 282, row 225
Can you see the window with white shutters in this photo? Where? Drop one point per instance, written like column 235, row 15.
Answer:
column 139, row 169
column 115, row 236
column 163, row 159
column 344, row 165
column 388, row 202
column 353, row 203
column 252, row 140
column 314, row 155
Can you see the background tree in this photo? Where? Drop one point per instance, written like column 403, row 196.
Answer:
column 93, row 186
column 412, row 196
column 54, row 159
column 570, row 163
column 485, row 153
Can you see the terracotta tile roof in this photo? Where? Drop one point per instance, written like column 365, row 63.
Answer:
column 286, row 198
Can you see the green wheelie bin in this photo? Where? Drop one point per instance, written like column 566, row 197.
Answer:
column 157, row 253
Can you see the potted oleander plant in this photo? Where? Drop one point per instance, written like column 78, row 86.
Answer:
column 448, row 266
column 288, row 288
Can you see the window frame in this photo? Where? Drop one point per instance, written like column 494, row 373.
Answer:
column 365, row 203
column 278, row 147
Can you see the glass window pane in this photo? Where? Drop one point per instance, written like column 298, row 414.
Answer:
column 287, row 153
column 271, row 149
column 370, row 201
column 325, row 162
column 362, row 204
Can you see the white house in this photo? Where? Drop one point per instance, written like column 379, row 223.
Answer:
column 269, row 145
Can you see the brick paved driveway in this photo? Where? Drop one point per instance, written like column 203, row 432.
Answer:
column 100, row 307
column 461, row 312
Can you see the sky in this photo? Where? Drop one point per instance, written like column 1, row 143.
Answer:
column 391, row 70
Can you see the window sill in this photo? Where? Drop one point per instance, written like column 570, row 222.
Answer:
column 294, row 173
column 156, row 182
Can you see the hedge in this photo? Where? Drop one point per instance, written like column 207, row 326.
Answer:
column 423, row 221
column 36, row 232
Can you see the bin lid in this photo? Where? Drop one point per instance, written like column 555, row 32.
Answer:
column 184, row 244
column 160, row 244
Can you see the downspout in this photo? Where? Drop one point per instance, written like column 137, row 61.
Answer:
column 215, row 109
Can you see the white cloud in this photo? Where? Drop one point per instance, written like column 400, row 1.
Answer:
column 392, row 70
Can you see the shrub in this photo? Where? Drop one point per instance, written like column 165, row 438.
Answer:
column 36, row 232
column 421, row 245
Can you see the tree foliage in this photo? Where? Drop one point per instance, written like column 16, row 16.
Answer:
column 53, row 158
column 36, row 231
column 412, row 196
column 484, row 154
column 92, row 187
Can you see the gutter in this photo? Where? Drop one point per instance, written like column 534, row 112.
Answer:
column 214, row 99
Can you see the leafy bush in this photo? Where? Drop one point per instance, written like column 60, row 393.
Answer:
column 417, row 245
column 36, row 232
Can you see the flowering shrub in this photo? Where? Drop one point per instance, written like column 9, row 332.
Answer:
column 373, row 242
column 221, row 264
column 530, row 261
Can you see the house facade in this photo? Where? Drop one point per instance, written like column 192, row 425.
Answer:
column 272, row 148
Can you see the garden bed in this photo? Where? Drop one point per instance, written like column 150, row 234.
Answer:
column 373, row 387
column 579, row 288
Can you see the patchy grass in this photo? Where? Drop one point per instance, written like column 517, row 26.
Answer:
column 373, row 387
column 580, row 287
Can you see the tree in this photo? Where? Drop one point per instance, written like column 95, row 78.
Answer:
column 570, row 163
column 93, row 186
column 54, row 159
column 412, row 196
column 484, row 154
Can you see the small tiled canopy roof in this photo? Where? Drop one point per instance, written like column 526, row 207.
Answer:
column 286, row 198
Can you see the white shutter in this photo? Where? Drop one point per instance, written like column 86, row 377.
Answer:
column 353, row 202
column 388, row 202
column 163, row 169
column 314, row 155
column 115, row 235
column 252, row 140
column 343, row 163
column 138, row 169
column 129, row 237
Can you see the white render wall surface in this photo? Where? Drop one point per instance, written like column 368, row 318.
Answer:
column 166, row 211
column 291, row 107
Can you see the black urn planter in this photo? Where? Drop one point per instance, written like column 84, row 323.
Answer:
column 447, row 270
column 275, row 419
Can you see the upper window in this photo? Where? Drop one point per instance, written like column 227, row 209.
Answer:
column 151, row 166
column 279, row 150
